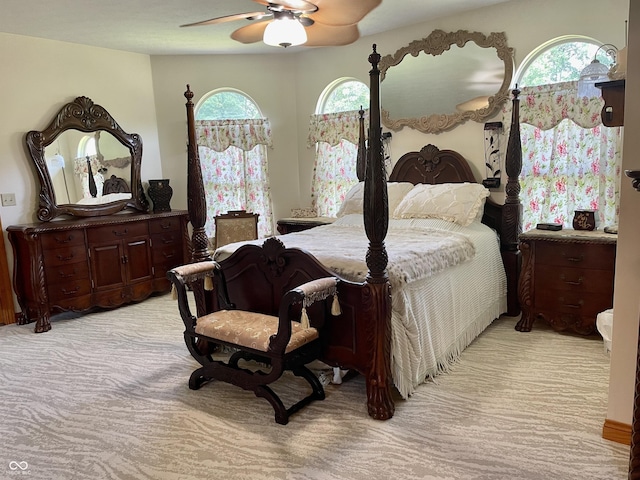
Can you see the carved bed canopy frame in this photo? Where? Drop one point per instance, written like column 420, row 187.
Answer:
column 360, row 340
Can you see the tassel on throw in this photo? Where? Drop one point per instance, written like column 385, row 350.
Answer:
column 335, row 306
column 208, row 283
column 174, row 292
column 304, row 319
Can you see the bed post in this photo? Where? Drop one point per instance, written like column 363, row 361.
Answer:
column 378, row 289
column 512, row 209
column 196, row 203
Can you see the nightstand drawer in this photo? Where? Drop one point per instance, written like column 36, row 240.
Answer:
column 585, row 304
column 573, row 279
column 592, row 256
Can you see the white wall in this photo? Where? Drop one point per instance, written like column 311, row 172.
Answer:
column 527, row 25
column 626, row 305
column 268, row 79
column 38, row 78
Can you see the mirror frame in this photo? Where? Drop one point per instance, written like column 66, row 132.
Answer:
column 437, row 43
column 82, row 114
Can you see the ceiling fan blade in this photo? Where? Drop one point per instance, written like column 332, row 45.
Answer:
column 341, row 12
column 251, row 33
column 296, row 5
column 320, row 35
column 228, row 18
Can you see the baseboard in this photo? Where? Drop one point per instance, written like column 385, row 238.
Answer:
column 617, row 432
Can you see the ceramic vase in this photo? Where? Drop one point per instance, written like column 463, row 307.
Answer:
column 584, row 220
column 160, row 193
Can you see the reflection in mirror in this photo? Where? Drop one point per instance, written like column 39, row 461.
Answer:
column 448, row 78
column 86, row 163
column 70, row 157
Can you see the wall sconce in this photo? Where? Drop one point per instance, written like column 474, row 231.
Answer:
column 596, row 72
column 492, row 132
column 284, row 31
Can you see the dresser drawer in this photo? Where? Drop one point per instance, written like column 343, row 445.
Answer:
column 165, row 258
column 62, row 239
column 70, row 272
column 548, row 277
column 559, row 254
column 65, row 256
column 585, row 304
column 69, row 289
column 165, row 225
column 109, row 233
column 172, row 237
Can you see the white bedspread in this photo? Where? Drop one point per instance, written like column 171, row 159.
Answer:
column 441, row 300
column 414, row 253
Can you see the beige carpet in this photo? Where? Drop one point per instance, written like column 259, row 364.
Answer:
column 105, row 396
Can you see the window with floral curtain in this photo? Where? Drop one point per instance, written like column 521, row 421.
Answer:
column 570, row 160
column 335, row 133
column 233, row 158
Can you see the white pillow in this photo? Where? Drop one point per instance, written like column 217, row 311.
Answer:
column 455, row 202
column 354, row 199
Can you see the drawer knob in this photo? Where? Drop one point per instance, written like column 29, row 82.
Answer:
column 70, row 292
column 573, row 258
column 67, row 275
column 120, row 234
column 64, row 240
column 571, row 282
column 580, row 303
column 62, row 258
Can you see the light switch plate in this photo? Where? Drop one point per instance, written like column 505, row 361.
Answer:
column 8, row 199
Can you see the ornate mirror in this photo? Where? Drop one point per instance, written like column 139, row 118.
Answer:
column 86, row 163
column 447, row 79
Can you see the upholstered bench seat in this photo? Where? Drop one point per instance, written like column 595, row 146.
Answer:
column 250, row 329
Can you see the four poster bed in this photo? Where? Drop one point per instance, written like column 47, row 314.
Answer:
column 398, row 325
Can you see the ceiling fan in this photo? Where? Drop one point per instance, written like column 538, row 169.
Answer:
column 285, row 23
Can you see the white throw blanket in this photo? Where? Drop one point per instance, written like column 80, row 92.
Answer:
column 414, row 253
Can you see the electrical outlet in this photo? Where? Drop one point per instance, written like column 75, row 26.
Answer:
column 8, row 199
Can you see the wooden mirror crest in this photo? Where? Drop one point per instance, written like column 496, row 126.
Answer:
column 77, row 179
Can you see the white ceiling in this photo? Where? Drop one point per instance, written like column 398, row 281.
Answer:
column 152, row 26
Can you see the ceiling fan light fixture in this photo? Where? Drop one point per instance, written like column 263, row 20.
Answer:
column 285, row 31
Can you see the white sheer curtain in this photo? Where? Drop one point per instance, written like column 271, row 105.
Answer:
column 570, row 160
column 335, row 136
column 233, row 159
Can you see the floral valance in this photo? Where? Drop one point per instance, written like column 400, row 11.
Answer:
column 331, row 128
column 245, row 134
column 545, row 106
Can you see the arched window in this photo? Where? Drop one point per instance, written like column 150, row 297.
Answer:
column 334, row 131
column 559, row 60
column 570, row 161
column 233, row 137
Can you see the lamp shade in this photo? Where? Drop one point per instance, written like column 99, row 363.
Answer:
column 590, row 75
column 284, row 32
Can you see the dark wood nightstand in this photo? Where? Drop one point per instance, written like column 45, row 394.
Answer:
column 290, row 225
column 566, row 278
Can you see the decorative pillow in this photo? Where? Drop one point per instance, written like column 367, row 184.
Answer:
column 461, row 203
column 354, row 198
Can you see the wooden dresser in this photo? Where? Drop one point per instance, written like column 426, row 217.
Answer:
column 566, row 278
column 94, row 262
